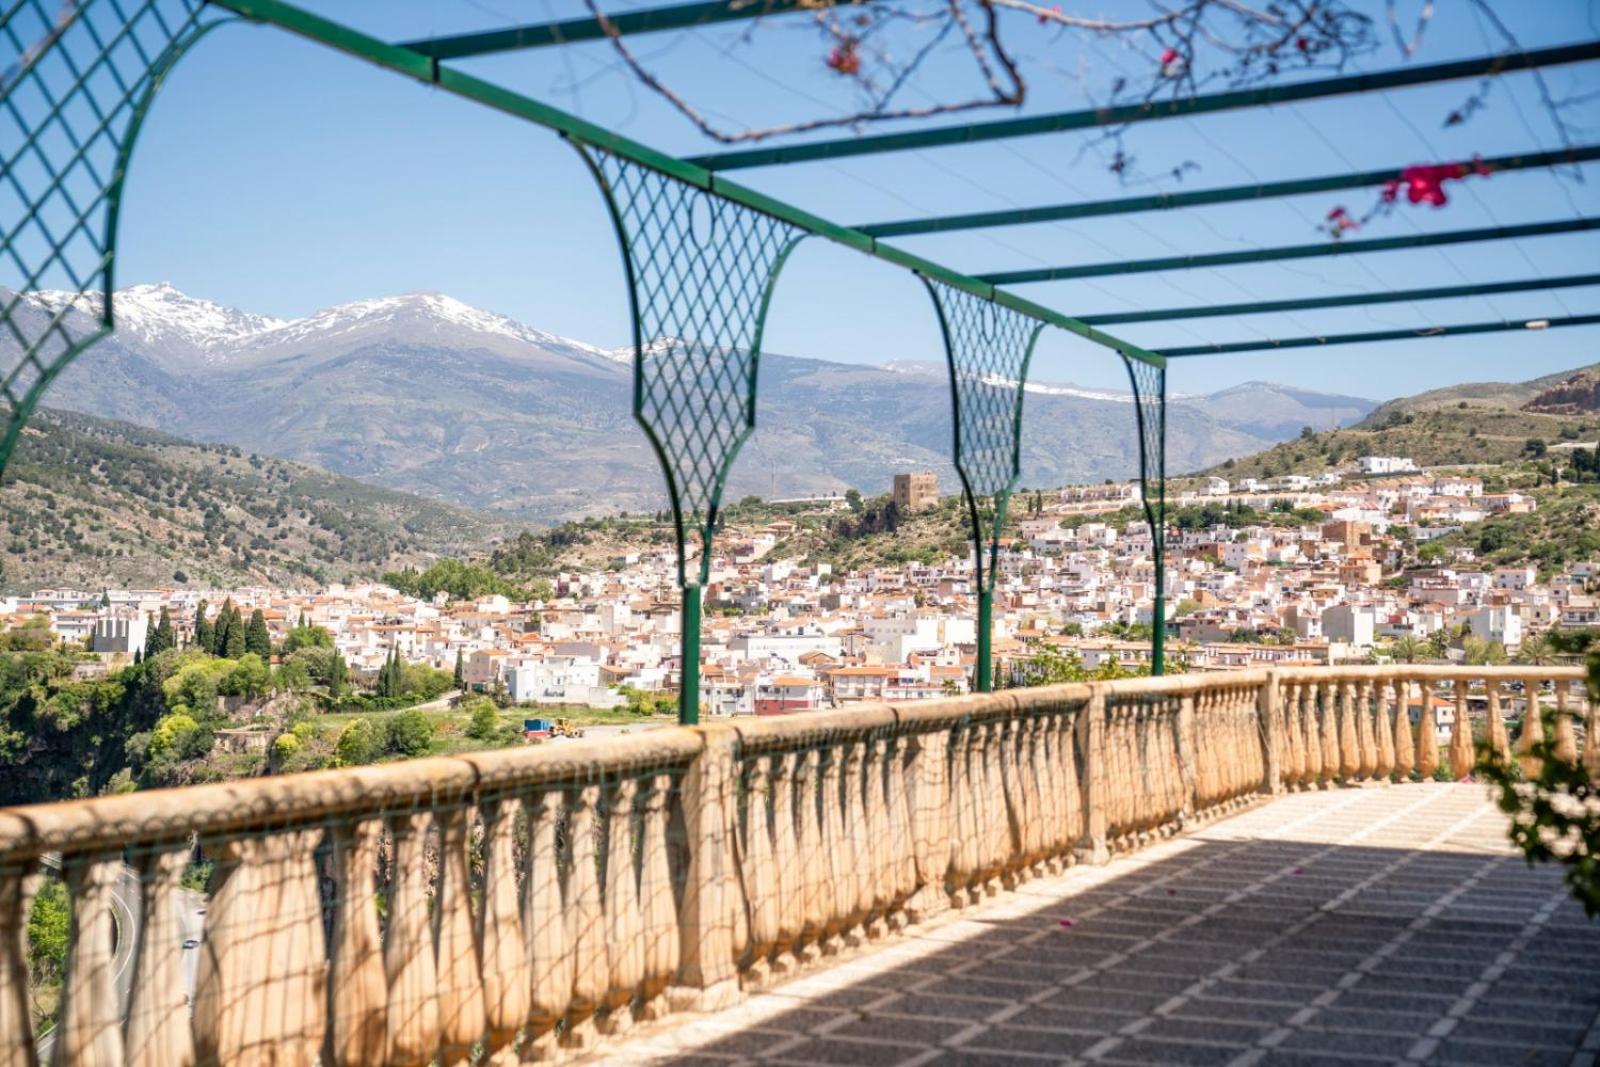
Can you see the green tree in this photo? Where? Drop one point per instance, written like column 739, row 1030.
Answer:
column 234, row 645
column 484, row 722
column 360, row 742
column 306, row 636
column 48, row 924
column 1481, row 653
column 1407, row 648
column 162, row 636
column 1539, row 651
column 459, row 680
column 257, row 639
column 204, row 634
column 852, row 499
column 410, row 734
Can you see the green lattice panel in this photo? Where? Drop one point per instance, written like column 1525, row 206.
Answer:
column 701, row 271
column 75, row 79
column 988, row 348
column 1150, row 396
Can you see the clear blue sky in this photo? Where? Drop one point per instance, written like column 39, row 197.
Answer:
column 280, row 177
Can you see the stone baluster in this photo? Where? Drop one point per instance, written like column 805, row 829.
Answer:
column 507, row 984
column 1124, row 800
column 656, row 903
column 881, row 844
column 903, row 877
column 1499, row 742
column 157, row 1031
column 1328, row 714
column 18, row 885
column 410, row 965
column 857, row 842
column 837, row 892
column 813, row 863
column 789, row 909
column 623, row 926
column 1148, row 769
column 1566, row 740
column 1382, row 729
column 236, row 899
column 760, row 869
column 455, row 933
column 358, row 991
column 1462, row 756
column 997, row 831
column 1405, row 749
column 1360, row 696
column 1070, row 781
column 549, row 946
column 586, row 921
column 1349, row 744
column 1532, row 731
column 1428, row 735
column 1184, row 732
column 1313, row 739
column 935, row 836
column 1014, row 815
column 90, row 1028
column 1294, row 766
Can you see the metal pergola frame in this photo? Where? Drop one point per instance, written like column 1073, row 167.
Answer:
column 707, row 391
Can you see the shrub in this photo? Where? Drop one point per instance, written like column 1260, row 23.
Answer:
column 410, row 734
column 360, row 742
column 484, row 723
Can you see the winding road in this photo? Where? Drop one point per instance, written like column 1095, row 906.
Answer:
column 125, row 918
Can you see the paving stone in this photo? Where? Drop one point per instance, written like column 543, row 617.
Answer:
column 1143, row 1050
column 1493, row 1055
column 879, row 1026
column 846, row 1053
column 1008, row 1038
column 1341, row 1042
column 981, row 1058
column 936, row 1006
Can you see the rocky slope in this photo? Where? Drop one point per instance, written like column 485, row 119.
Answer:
column 91, row 503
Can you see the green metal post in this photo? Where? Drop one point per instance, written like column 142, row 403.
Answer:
column 689, row 669
column 985, row 640
column 1158, row 628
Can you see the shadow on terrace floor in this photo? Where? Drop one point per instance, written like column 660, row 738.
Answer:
column 1349, row 926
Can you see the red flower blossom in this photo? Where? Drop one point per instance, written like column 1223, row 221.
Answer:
column 1302, row 43
column 1044, row 17
column 1424, row 183
column 844, row 59
column 1340, row 222
column 1168, row 56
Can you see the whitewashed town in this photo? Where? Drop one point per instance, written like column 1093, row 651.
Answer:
column 783, row 637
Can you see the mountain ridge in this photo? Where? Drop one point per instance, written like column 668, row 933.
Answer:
column 423, row 393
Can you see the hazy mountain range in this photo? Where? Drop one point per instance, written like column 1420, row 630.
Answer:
column 421, row 392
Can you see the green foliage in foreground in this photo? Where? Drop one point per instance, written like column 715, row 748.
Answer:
column 1555, row 816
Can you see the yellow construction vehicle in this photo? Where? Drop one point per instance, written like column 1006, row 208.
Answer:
column 564, row 728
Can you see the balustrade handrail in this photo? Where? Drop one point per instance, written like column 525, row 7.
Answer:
column 33, row 830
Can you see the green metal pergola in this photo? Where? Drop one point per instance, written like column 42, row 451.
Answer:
column 702, row 254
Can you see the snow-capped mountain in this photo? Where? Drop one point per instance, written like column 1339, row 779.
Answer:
column 183, row 328
column 425, row 393
column 162, row 316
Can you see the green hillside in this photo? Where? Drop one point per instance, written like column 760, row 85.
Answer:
column 91, row 503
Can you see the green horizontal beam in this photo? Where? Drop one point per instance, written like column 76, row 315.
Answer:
column 1267, row 255
column 627, row 23
column 1202, row 197
column 1401, row 296
column 1234, row 347
column 428, row 70
column 1060, row 122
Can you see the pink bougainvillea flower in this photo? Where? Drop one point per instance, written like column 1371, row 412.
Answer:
column 1044, row 16
column 1424, row 183
column 1066, row 922
column 1299, row 870
column 844, row 59
column 1302, row 43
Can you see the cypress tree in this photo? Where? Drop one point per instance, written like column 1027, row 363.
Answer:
column 204, row 634
column 150, row 632
column 233, row 640
column 460, row 680
column 163, row 636
column 338, row 675
column 256, row 637
column 219, row 633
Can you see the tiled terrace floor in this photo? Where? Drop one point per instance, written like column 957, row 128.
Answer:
column 1388, row 925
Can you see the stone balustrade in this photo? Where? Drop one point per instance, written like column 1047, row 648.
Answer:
column 515, row 904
